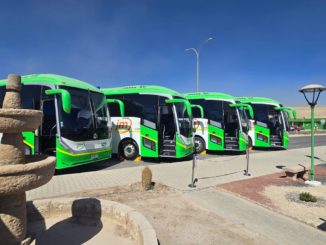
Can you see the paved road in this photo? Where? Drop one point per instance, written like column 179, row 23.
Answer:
column 304, row 141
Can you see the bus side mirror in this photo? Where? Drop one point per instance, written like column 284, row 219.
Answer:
column 245, row 107
column 121, row 105
column 186, row 102
column 65, row 98
column 200, row 108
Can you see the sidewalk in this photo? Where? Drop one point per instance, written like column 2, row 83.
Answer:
column 264, row 222
column 210, row 172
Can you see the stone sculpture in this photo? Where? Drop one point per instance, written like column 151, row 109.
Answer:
column 18, row 173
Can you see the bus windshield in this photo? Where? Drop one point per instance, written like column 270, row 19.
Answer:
column 184, row 120
column 267, row 115
column 88, row 117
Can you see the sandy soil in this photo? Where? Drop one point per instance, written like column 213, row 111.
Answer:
column 175, row 219
column 286, row 198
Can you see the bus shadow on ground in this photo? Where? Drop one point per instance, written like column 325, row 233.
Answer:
column 225, row 153
column 89, row 167
column 268, row 149
column 165, row 159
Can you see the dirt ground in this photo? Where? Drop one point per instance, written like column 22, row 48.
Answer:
column 175, row 219
column 281, row 194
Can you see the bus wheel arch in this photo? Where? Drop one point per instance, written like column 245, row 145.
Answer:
column 128, row 149
column 200, row 144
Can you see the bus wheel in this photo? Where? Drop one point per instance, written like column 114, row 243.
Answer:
column 129, row 150
column 199, row 145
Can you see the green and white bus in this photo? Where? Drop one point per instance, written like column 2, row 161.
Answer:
column 220, row 122
column 150, row 121
column 76, row 124
column 270, row 126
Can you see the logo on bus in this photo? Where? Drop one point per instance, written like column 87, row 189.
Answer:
column 196, row 124
column 123, row 125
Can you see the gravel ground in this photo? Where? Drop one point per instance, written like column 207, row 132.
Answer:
column 286, row 199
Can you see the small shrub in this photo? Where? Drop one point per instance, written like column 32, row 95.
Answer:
column 307, row 197
column 146, row 178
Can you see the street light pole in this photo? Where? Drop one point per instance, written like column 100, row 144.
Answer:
column 312, row 171
column 197, row 84
column 314, row 90
column 197, row 52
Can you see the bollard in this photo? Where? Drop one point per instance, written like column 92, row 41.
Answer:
column 246, row 172
column 193, row 179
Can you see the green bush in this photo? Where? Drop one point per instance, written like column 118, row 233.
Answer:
column 307, row 197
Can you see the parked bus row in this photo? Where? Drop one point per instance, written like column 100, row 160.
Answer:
column 83, row 124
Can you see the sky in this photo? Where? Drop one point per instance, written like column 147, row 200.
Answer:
column 259, row 47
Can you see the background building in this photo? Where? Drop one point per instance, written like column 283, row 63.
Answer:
column 304, row 117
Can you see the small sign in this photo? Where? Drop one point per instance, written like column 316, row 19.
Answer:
column 94, row 156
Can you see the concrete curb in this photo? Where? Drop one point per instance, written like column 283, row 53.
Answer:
column 136, row 224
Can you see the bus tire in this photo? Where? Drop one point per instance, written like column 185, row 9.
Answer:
column 200, row 145
column 129, row 150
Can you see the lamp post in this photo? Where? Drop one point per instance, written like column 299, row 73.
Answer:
column 197, row 52
column 311, row 93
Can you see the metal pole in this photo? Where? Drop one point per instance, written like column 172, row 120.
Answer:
column 197, row 54
column 193, row 180
column 312, row 171
column 247, row 156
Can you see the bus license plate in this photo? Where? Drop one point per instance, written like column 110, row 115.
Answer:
column 94, row 156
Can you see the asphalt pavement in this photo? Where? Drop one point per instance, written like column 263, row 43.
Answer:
column 298, row 142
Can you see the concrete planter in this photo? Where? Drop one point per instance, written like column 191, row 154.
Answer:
column 131, row 220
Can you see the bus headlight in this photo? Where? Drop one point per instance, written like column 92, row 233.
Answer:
column 215, row 139
column 149, row 144
column 262, row 137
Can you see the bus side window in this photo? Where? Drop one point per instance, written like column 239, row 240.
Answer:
column 114, row 108
column 196, row 112
column 49, row 118
column 31, row 96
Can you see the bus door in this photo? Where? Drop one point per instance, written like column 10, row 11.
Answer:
column 30, row 95
column 48, row 128
column 167, row 130
column 149, row 138
column 262, row 134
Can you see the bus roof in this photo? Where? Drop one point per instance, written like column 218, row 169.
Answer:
column 258, row 100
column 210, row 95
column 140, row 89
column 54, row 80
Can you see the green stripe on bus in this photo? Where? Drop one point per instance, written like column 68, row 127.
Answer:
column 82, row 154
